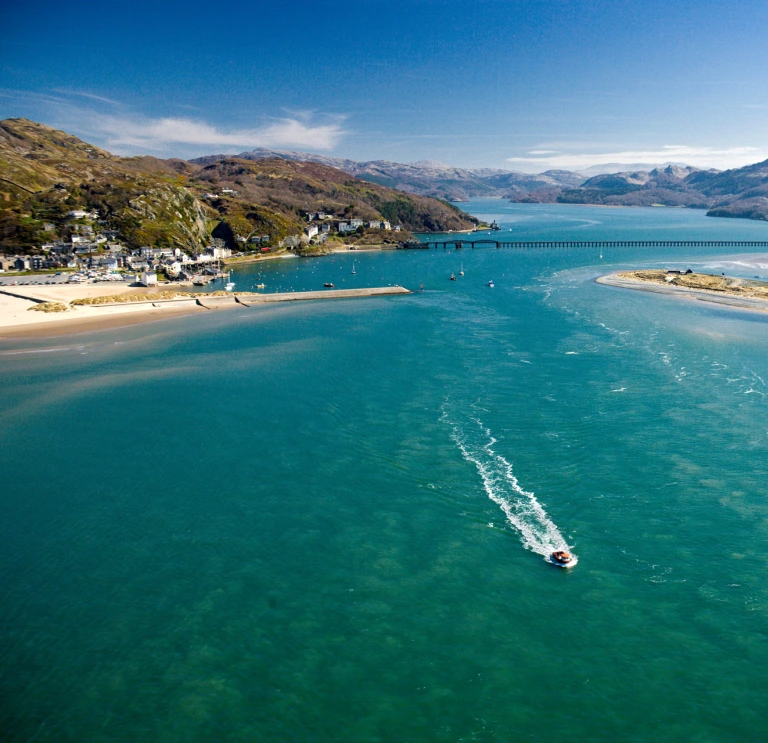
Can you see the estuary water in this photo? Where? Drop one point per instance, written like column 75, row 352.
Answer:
column 329, row 521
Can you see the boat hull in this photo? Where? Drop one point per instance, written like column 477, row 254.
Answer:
column 558, row 564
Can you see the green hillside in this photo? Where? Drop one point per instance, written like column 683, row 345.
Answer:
column 45, row 173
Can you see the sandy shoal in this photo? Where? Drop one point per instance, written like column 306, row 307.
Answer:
column 755, row 304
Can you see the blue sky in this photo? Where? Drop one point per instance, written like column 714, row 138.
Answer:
column 516, row 85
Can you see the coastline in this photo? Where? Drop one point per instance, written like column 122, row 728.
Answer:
column 16, row 321
column 246, row 260
column 721, row 297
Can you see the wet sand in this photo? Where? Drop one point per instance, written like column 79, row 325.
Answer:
column 730, row 297
column 16, row 321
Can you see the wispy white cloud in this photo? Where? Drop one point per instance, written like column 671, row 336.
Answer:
column 163, row 133
column 700, row 157
column 115, row 127
column 86, row 94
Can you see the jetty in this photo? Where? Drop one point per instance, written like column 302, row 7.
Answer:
column 376, row 291
column 219, row 300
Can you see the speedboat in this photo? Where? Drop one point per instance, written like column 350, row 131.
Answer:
column 491, row 284
column 328, row 285
column 453, row 278
column 562, row 559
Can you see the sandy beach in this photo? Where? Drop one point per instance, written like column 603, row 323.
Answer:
column 146, row 305
column 724, row 290
column 16, row 320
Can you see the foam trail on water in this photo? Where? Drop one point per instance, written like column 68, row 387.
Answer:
column 538, row 532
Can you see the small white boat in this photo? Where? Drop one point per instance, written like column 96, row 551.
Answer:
column 461, row 273
column 353, row 267
column 230, row 284
column 563, row 559
column 491, row 284
column 453, row 278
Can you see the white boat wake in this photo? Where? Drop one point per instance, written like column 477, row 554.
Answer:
column 537, row 531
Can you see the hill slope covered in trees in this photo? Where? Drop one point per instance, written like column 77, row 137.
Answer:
column 46, row 173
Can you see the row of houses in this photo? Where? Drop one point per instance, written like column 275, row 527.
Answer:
column 374, row 224
column 172, row 261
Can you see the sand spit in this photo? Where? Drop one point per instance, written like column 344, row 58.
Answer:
column 725, row 290
column 96, row 308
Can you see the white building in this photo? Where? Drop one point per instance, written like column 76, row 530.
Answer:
column 374, row 224
column 148, row 278
column 173, row 268
column 311, row 231
column 355, row 223
column 386, row 225
column 216, row 252
column 346, row 227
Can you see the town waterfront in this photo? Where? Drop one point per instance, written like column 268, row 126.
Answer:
column 327, row 521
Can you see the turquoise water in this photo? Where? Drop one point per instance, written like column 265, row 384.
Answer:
column 324, row 522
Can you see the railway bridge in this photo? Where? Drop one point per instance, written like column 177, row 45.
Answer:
column 549, row 244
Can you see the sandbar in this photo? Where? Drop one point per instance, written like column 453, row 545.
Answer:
column 731, row 291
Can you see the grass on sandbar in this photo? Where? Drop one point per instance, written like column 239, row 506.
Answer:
column 48, row 307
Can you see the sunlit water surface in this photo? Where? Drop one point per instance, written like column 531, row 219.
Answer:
column 329, row 521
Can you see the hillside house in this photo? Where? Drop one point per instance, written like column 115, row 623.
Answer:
column 311, row 231
column 292, row 241
column 355, row 223
column 374, row 224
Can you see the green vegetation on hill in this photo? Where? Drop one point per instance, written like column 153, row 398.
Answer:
column 290, row 189
column 45, row 173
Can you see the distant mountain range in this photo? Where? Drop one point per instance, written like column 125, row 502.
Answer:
column 45, row 174
column 427, row 177
column 741, row 192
